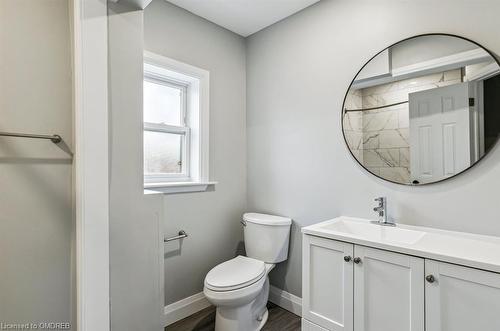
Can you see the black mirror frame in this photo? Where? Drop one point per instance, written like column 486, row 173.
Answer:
column 497, row 60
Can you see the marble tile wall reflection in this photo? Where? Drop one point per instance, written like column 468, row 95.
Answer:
column 379, row 138
column 353, row 124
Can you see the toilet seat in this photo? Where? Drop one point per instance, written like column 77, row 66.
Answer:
column 235, row 274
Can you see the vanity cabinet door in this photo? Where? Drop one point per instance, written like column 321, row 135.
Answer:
column 461, row 299
column 388, row 291
column 327, row 283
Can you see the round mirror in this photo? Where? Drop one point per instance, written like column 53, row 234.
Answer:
column 424, row 109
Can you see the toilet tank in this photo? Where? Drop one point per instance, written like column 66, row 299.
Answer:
column 266, row 237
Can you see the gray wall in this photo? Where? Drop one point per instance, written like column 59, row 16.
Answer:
column 136, row 294
column 210, row 218
column 298, row 165
column 36, row 218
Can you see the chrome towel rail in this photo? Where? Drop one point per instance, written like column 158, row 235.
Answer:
column 56, row 139
column 182, row 234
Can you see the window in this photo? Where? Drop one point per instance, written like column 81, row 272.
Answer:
column 175, row 125
column 166, row 135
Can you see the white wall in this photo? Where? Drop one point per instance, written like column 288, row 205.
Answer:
column 298, row 165
column 210, row 218
column 36, row 218
column 135, row 289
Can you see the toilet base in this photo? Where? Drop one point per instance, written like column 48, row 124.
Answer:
column 249, row 317
column 264, row 319
column 226, row 320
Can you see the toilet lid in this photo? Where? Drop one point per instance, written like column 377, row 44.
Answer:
column 234, row 274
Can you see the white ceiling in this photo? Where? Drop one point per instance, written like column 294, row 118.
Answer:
column 243, row 17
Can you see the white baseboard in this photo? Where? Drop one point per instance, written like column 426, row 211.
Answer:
column 185, row 307
column 193, row 304
column 285, row 300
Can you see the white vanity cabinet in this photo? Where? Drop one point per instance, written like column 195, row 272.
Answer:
column 461, row 299
column 388, row 291
column 398, row 279
column 348, row 287
column 327, row 283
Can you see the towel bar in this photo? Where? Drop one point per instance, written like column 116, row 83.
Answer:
column 182, row 234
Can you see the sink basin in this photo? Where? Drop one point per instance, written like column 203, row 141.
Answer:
column 473, row 250
column 374, row 232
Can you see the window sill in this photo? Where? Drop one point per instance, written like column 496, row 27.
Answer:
column 176, row 187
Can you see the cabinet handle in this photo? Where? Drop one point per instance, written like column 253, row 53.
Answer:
column 357, row 260
column 430, row 279
column 347, row 258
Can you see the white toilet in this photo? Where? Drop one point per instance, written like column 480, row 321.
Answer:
column 239, row 288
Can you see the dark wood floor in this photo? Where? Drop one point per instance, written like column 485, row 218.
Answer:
column 279, row 320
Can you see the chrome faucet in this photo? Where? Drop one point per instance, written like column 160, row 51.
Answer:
column 381, row 209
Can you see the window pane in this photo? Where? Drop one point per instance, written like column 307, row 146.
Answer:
column 162, row 153
column 162, row 103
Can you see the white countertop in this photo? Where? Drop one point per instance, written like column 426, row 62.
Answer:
column 472, row 250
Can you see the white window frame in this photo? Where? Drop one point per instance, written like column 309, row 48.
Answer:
column 181, row 130
column 195, row 174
